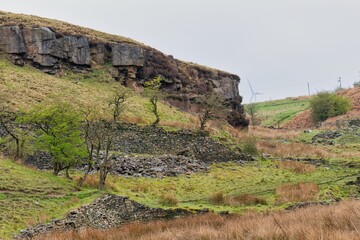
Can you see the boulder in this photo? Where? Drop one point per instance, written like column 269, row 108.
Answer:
column 126, row 55
column 11, row 40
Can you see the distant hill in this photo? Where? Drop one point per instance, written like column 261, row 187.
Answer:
column 303, row 119
column 276, row 113
column 295, row 112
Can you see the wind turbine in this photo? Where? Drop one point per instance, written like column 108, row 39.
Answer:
column 254, row 94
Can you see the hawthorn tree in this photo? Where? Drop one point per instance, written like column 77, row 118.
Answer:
column 58, row 132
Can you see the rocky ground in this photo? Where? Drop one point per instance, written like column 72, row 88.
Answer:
column 154, row 152
column 106, row 212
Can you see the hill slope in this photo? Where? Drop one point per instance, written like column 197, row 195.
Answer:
column 54, row 47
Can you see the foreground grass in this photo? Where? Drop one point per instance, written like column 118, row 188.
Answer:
column 30, row 196
column 339, row 221
column 260, row 180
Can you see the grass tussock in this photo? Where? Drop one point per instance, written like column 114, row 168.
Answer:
column 299, row 192
column 239, row 200
column 339, row 222
column 297, row 167
column 169, row 199
column 92, row 181
column 291, row 149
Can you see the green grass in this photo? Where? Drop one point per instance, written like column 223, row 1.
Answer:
column 30, row 196
column 260, row 179
column 278, row 112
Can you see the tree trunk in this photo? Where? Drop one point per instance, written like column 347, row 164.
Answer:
column 90, row 163
column 67, row 173
column 56, row 168
column 102, row 177
column 17, row 154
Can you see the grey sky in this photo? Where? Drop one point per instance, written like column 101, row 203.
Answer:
column 279, row 45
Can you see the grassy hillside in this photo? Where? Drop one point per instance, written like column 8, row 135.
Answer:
column 278, row 112
column 30, row 196
column 24, row 87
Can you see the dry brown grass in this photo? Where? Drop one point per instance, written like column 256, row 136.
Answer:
column 92, row 181
column 336, row 222
column 292, row 149
column 268, row 133
column 297, row 167
column 296, row 192
column 245, row 199
column 240, row 200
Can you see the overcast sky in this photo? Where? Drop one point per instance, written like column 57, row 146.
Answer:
column 278, row 45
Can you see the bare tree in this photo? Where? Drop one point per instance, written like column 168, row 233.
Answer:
column 9, row 122
column 117, row 102
column 210, row 106
column 252, row 110
column 153, row 93
column 105, row 135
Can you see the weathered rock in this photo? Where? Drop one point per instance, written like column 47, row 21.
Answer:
column 155, row 166
column 100, row 54
column 154, row 140
column 106, row 212
column 77, row 50
column 42, row 46
column 126, row 55
column 226, row 87
column 326, row 137
column 11, row 40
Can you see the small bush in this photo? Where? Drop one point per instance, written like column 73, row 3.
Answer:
column 169, row 199
column 356, row 84
column 325, row 105
column 249, row 145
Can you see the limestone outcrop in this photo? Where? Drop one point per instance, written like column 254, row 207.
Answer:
column 52, row 51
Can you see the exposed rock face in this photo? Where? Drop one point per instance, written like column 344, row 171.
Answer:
column 126, row 55
column 106, row 212
column 11, row 40
column 44, row 48
column 53, row 51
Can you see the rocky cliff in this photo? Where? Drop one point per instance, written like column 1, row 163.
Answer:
column 54, row 46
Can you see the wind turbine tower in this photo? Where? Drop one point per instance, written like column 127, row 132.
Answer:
column 253, row 94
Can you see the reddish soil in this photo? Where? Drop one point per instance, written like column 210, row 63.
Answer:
column 303, row 120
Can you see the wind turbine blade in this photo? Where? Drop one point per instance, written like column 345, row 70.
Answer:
column 252, row 91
